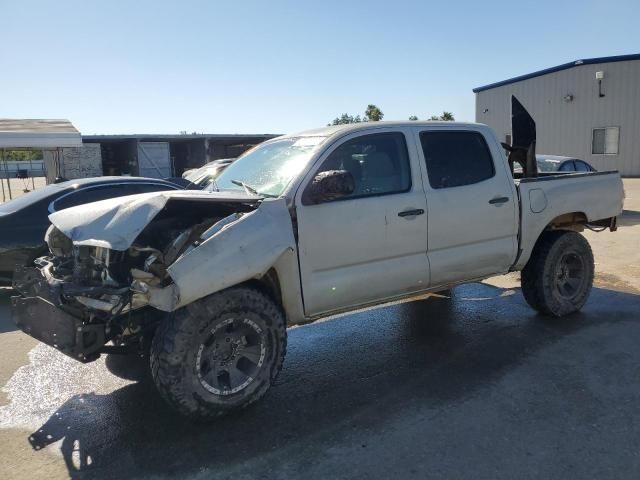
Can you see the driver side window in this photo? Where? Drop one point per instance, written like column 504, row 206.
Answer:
column 379, row 164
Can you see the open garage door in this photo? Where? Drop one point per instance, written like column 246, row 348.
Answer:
column 154, row 159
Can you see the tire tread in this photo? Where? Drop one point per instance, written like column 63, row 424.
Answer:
column 171, row 344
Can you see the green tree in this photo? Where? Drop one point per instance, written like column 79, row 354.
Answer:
column 413, row 118
column 344, row 119
column 373, row 113
column 445, row 117
column 25, row 155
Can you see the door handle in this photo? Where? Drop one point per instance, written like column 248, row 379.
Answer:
column 411, row 213
column 498, row 200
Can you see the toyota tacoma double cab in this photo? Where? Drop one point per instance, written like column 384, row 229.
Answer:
column 301, row 227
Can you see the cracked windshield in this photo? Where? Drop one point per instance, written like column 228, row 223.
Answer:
column 268, row 169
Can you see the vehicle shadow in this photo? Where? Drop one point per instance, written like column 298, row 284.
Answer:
column 6, row 325
column 629, row 218
column 358, row 371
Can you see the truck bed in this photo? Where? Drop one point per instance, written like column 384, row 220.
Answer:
column 596, row 195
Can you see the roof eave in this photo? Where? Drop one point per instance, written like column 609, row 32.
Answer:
column 39, row 140
column 564, row 66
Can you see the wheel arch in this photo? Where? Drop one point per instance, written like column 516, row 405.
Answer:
column 573, row 221
column 570, row 221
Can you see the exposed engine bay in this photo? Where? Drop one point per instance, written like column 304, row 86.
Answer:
column 100, row 294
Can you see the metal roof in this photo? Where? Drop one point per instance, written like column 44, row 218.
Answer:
column 564, row 66
column 38, row 133
column 162, row 137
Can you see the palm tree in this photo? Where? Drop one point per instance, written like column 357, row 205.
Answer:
column 373, row 113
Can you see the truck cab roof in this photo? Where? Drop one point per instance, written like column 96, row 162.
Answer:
column 354, row 127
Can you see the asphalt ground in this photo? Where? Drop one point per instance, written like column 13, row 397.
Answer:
column 473, row 384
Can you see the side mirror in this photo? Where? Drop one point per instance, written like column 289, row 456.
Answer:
column 330, row 185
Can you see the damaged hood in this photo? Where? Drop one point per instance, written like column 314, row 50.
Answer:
column 115, row 223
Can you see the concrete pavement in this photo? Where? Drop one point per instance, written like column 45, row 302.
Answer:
column 475, row 385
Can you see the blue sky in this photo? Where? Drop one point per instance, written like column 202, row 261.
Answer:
column 281, row 66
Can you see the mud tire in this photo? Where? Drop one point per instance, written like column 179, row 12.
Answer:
column 542, row 284
column 174, row 351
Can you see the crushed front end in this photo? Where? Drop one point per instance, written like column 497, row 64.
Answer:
column 42, row 312
column 80, row 299
column 85, row 299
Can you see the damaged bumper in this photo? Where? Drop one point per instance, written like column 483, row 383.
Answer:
column 38, row 312
column 87, row 293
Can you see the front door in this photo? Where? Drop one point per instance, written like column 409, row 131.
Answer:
column 473, row 223
column 372, row 243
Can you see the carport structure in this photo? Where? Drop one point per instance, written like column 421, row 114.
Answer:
column 41, row 134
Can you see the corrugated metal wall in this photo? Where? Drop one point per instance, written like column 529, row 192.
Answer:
column 565, row 128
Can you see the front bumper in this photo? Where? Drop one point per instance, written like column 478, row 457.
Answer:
column 39, row 312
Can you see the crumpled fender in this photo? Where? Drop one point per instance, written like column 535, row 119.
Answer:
column 240, row 251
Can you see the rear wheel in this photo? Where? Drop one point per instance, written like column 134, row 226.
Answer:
column 219, row 354
column 557, row 279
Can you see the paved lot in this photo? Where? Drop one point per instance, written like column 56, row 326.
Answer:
column 19, row 187
column 475, row 385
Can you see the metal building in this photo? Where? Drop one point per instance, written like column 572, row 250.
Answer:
column 588, row 109
column 167, row 155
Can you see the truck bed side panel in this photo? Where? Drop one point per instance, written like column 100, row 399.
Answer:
column 597, row 195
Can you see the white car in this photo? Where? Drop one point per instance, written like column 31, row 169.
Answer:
column 304, row 226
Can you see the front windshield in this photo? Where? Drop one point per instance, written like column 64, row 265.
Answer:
column 548, row 165
column 268, row 168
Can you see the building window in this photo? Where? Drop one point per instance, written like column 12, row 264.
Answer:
column 605, row 141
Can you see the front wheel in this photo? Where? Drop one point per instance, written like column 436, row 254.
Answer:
column 220, row 353
column 558, row 277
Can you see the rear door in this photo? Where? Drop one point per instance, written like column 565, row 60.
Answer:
column 372, row 244
column 472, row 227
column 582, row 166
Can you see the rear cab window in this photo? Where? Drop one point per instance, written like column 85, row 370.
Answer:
column 456, row 158
column 581, row 166
column 567, row 166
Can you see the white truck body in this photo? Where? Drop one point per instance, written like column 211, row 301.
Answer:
column 359, row 252
column 305, row 226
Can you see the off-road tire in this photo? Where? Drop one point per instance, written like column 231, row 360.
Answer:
column 174, row 351
column 540, row 278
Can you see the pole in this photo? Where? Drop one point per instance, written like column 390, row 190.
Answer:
column 1, row 181
column 33, row 182
column 6, row 172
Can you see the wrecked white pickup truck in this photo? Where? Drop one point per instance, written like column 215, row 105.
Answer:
column 304, row 226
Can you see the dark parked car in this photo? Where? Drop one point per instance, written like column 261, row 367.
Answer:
column 556, row 163
column 24, row 220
